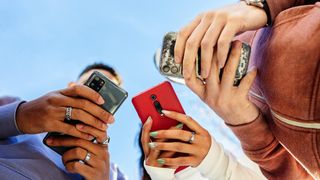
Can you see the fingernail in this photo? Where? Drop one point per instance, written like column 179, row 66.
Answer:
column 111, row 119
column 90, row 137
column 148, row 120
column 221, row 65
column 154, row 134
column 165, row 112
column 49, row 141
column 160, row 161
column 79, row 126
column 152, row 145
column 101, row 100
column 179, row 126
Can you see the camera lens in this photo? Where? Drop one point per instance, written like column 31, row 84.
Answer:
column 92, row 85
column 174, row 69
column 97, row 78
column 153, row 97
column 166, row 68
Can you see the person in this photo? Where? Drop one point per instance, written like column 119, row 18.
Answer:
column 22, row 127
column 204, row 156
column 269, row 121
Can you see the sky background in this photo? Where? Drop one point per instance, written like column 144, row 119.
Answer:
column 45, row 44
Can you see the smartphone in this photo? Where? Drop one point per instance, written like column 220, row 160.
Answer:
column 113, row 95
column 153, row 101
column 169, row 68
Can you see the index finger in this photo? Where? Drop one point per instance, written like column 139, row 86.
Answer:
column 182, row 37
column 83, row 91
column 188, row 121
column 145, row 138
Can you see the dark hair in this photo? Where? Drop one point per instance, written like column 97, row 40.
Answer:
column 105, row 67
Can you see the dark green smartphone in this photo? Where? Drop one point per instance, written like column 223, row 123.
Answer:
column 112, row 94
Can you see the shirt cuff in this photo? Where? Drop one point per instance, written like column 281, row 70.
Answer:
column 215, row 163
column 157, row 173
column 254, row 136
column 8, row 123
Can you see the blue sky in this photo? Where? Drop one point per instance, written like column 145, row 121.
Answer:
column 45, row 44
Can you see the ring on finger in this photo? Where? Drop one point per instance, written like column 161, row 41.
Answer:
column 68, row 113
column 192, row 137
column 88, row 157
column 106, row 141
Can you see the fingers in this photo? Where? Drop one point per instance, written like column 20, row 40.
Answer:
column 89, row 107
column 76, row 154
column 173, row 147
column 145, row 138
column 192, row 46
column 186, row 120
column 172, row 134
column 207, row 46
column 88, row 119
column 68, row 129
column 84, row 144
column 182, row 37
column 80, row 168
column 224, row 42
column 98, row 134
column 179, row 161
column 229, row 71
column 195, row 84
column 84, row 92
column 247, row 81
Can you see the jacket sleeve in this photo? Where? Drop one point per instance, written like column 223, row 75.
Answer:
column 276, row 6
column 8, row 125
column 219, row 164
column 261, row 146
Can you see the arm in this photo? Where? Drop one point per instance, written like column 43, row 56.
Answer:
column 8, row 125
column 218, row 164
column 263, row 148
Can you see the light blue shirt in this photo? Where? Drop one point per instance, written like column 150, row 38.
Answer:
column 26, row 157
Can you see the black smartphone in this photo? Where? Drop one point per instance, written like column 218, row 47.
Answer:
column 170, row 69
column 113, row 95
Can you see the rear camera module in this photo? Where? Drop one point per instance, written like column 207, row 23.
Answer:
column 166, row 68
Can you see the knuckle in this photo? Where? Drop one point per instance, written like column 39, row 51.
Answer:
column 182, row 161
column 183, row 33
column 78, row 152
column 222, row 42
column 191, row 44
column 178, row 148
column 205, row 44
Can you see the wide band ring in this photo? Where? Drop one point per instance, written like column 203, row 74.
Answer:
column 68, row 113
column 106, row 142
column 87, row 158
column 191, row 140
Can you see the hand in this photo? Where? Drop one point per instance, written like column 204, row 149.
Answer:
column 213, row 31
column 96, row 168
column 230, row 103
column 177, row 140
column 47, row 113
column 151, row 155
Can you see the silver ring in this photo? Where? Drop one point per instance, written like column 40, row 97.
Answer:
column 68, row 113
column 106, row 142
column 193, row 134
column 87, row 158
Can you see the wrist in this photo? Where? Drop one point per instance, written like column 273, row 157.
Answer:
column 244, row 116
column 21, row 117
column 255, row 17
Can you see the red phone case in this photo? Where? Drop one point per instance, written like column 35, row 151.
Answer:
column 165, row 95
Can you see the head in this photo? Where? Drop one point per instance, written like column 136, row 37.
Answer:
column 102, row 68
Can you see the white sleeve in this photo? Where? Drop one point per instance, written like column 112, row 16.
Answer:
column 218, row 164
column 157, row 173
column 168, row 174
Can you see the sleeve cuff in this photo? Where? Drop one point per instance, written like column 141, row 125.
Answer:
column 254, row 136
column 8, row 124
column 157, row 173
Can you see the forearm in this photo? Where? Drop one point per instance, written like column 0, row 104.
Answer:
column 262, row 147
column 218, row 164
column 8, row 125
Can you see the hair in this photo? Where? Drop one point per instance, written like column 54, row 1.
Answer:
column 102, row 66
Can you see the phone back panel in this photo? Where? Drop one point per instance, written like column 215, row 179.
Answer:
column 144, row 105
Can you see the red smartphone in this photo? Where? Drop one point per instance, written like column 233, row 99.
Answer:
column 153, row 101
